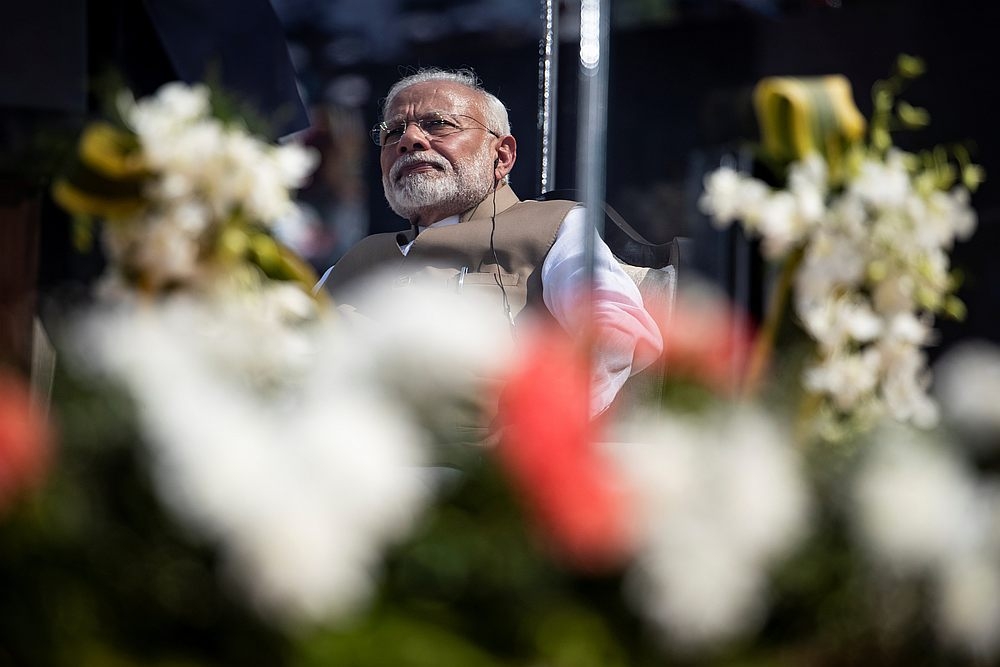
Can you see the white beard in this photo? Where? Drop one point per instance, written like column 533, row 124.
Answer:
column 452, row 191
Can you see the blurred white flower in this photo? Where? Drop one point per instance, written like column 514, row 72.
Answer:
column 904, row 389
column 729, row 195
column 290, row 440
column 847, row 378
column 837, row 322
column 831, row 263
column 164, row 246
column 436, row 336
column 943, row 217
column 718, row 500
column 883, row 184
column 807, row 179
column 969, row 605
column 921, row 511
column 968, row 387
column 722, row 198
column 915, row 502
column 294, row 163
column 894, row 294
column 175, row 103
column 779, row 222
column 873, row 270
column 206, row 174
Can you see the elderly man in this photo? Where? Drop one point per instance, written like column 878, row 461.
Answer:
column 446, row 152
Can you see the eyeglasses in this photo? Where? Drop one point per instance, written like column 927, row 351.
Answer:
column 434, row 126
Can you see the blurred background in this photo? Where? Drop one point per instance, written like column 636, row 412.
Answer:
column 681, row 72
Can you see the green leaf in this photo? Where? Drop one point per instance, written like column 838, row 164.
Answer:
column 910, row 67
column 913, row 117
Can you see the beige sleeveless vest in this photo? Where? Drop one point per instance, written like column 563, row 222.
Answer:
column 461, row 256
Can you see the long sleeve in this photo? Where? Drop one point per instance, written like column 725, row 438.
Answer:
column 628, row 338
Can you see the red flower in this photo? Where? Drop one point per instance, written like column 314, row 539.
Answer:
column 548, row 448
column 706, row 340
column 24, row 440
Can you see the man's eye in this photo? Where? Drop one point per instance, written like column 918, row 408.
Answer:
column 436, row 125
column 394, row 132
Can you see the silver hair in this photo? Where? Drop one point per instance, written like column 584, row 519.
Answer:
column 493, row 109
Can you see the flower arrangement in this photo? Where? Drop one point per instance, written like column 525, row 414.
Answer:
column 862, row 231
column 185, row 193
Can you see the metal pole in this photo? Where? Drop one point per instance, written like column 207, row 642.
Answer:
column 548, row 87
column 592, row 134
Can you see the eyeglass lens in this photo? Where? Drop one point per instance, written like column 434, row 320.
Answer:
column 432, row 125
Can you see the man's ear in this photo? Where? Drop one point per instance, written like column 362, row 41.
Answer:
column 506, row 156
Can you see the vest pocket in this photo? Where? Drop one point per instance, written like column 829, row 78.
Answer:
column 484, row 278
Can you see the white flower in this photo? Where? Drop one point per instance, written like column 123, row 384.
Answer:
column 916, row 505
column 894, row 294
column 846, row 377
column 730, row 196
column 700, row 595
column 294, row 163
column 174, row 103
column 291, row 441
column 721, row 198
column 807, row 183
column 874, row 268
column 428, row 334
column 164, row 246
column 907, row 328
column 963, row 217
column 883, row 184
column 190, row 150
column 779, row 222
column 833, row 261
column 968, row 386
column 838, row 322
column 919, row 510
column 718, row 501
column 301, row 483
column 969, row 605
column 905, row 382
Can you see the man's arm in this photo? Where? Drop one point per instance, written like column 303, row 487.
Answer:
column 628, row 337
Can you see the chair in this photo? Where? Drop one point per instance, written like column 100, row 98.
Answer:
column 655, row 268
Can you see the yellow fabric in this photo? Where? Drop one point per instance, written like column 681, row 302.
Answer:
column 800, row 116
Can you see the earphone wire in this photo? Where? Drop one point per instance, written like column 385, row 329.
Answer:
column 496, row 259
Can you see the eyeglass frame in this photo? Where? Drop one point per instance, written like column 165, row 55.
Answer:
column 379, row 128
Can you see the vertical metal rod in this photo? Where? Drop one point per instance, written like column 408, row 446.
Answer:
column 592, row 133
column 548, row 88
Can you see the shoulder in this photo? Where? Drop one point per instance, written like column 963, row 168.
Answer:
column 386, row 239
column 542, row 212
column 553, row 205
column 362, row 257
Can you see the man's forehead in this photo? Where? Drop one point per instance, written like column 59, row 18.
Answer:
column 443, row 96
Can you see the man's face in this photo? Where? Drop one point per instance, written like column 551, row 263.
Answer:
column 425, row 178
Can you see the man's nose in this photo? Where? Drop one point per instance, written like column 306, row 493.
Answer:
column 413, row 139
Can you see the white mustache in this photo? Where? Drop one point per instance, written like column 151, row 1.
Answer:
column 416, row 158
